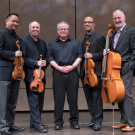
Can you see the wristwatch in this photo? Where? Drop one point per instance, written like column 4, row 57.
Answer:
column 74, row 67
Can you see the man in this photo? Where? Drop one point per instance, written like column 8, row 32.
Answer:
column 123, row 42
column 93, row 94
column 32, row 48
column 64, row 54
column 9, row 88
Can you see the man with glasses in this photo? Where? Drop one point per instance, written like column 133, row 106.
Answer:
column 93, row 94
column 64, row 54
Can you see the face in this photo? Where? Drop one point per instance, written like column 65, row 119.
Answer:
column 34, row 29
column 63, row 30
column 12, row 22
column 119, row 19
column 89, row 24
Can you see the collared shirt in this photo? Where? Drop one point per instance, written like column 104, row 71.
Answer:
column 38, row 46
column 64, row 53
column 117, row 35
column 87, row 37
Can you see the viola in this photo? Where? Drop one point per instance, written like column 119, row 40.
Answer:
column 90, row 78
column 37, row 85
column 113, row 90
column 18, row 73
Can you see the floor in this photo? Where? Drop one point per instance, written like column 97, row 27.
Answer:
column 22, row 120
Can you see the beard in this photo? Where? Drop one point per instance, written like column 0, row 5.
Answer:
column 119, row 24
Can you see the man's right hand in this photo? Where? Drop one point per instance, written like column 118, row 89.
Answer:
column 18, row 54
column 41, row 63
column 104, row 52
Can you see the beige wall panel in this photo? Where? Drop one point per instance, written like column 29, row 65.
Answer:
column 4, row 11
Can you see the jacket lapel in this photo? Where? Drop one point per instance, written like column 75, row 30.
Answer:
column 33, row 46
column 121, row 35
column 11, row 38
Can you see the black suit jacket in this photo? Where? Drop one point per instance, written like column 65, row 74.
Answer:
column 7, row 54
column 125, row 47
column 97, row 44
column 31, row 56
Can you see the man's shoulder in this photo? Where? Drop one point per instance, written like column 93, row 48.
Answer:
column 3, row 31
column 99, row 35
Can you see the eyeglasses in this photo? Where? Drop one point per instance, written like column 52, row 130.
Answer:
column 88, row 22
column 63, row 29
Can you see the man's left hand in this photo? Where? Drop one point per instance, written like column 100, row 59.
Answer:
column 88, row 55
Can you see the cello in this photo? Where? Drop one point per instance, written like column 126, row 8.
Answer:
column 18, row 73
column 113, row 90
column 90, row 78
column 37, row 85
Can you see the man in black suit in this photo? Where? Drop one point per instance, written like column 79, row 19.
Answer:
column 32, row 48
column 93, row 94
column 9, row 88
column 123, row 42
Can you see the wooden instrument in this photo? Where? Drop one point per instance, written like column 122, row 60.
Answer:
column 113, row 90
column 37, row 85
column 90, row 78
column 18, row 73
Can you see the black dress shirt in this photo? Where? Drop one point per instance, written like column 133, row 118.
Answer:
column 64, row 53
column 87, row 37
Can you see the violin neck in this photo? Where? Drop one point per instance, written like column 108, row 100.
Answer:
column 39, row 74
column 19, row 57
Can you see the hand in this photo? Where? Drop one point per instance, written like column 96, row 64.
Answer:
column 66, row 69
column 41, row 63
column 88, row 55
column 18, row 54
column 104, row 52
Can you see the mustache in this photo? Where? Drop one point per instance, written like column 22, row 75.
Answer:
column 117, row 22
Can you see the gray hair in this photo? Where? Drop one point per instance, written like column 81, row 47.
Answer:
column 61, row 23
column 118, row 10
column 32, row 22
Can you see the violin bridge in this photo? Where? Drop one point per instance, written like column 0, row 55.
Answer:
column 105, row 79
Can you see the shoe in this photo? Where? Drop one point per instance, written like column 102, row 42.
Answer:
column 75, row 126
column 120, row 125
column 128, row 128
column 6, row 132
column 58, row 127
column 88, row 125
column 41, row 129
column 14, row 128
column 45, row 126
column 97, row 127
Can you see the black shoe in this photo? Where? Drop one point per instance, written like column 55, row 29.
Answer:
column 58, row 127
column 6, row 132
column 41, row 129
column 97, row 127
column 45, row 126
column 75, row 126
column 88, row 125
column 14, row 128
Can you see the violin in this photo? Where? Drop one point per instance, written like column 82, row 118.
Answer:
column 18, row 73
column 113, row 90
column 37, row 85
column 90, row 78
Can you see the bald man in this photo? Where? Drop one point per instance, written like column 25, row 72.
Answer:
column 32, row 48
column 93, row 94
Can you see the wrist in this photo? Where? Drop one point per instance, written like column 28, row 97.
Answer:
column 73, row 67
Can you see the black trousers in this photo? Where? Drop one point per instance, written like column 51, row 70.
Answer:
column 94, row 101
column 65, row 83
column 126, row 107
column 36, row 101
column 8, row 100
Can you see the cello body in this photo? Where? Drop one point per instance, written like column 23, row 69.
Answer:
column 113, row 90
column 113, row 83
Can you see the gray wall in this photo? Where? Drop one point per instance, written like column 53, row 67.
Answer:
column 50, row 12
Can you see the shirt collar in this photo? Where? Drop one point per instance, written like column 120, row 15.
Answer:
column 69, row 39
column 86, row 36
column 33, row 39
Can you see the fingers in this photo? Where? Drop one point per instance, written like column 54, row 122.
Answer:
column 18, row 54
